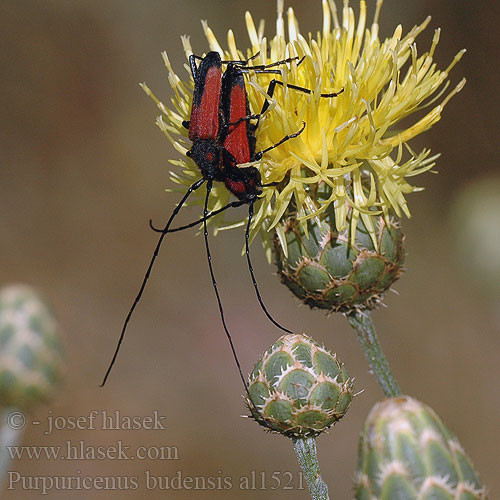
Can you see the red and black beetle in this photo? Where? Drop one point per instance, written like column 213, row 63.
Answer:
column 223, row 137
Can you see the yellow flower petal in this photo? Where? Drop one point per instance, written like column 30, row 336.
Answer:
column 354, row 147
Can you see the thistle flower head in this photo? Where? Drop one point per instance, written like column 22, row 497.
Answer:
column 354, row 149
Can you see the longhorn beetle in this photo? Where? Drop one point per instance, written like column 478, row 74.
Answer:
column 222, row 137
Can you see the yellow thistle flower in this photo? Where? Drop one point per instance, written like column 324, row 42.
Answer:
column 354, row 147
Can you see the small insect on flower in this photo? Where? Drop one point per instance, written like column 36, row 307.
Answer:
column 344, row 160
column 223, row 137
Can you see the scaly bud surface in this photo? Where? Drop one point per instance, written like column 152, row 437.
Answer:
column 407, row 453
column 31, row 358
column 299, row 388
column 331, row 270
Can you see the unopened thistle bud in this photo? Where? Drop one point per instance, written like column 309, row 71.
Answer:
column 298, row 388
column 406, row 452
column 31, row 359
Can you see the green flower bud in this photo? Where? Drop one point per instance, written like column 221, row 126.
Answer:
column 298, row 388
column 406, row 452
column 325, row 268
column 474, row 216
column 31, row 359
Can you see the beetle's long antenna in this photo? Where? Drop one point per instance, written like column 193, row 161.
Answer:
column 191, row 189
column 252, row 274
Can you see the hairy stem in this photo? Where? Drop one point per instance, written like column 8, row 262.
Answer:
column 362, row 323
column 305, row 448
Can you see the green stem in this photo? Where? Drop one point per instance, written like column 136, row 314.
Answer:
column 10, row 436
column 362, row 323
column 305, row 448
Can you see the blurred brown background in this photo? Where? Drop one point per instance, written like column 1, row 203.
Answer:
column 83, row 168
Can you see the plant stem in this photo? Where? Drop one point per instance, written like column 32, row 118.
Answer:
column 305, row 448
column 362, row 323
column 9, row 436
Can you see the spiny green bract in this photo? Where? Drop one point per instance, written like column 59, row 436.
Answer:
column 31, row 359
column 407, row 453
column 325, row 269
column 298, row 388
